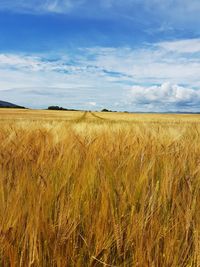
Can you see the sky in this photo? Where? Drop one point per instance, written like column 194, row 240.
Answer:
column 125, row 55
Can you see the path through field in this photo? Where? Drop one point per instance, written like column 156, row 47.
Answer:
column 88, row 116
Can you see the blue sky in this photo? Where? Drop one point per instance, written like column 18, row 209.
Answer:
column 135, row 55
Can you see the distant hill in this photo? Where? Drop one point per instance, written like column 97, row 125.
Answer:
column 4, row 104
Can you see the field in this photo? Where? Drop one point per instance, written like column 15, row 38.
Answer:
column 83, row 189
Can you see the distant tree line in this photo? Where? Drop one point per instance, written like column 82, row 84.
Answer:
column 107, row 110
column 67, row 109
column 60, row 108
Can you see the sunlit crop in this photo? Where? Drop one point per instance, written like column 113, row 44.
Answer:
column 99, row 189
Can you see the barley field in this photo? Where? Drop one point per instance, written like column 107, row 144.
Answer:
column 85, row 189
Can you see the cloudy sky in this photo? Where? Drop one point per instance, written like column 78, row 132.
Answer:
column 134, row 55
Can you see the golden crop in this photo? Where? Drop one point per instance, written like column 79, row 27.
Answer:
column 99, row 189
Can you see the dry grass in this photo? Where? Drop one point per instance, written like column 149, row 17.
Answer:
column 101, row 189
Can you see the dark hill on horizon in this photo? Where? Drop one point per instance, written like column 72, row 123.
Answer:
column 4, row 104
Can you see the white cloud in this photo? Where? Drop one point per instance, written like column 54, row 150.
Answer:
column 105, row 75
column 172, row 8
column 92, row 103
column 37, row 6
column 61, row 6
column 20, row 62
column 182, row 46
column 152, row 64
column 164, row 97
